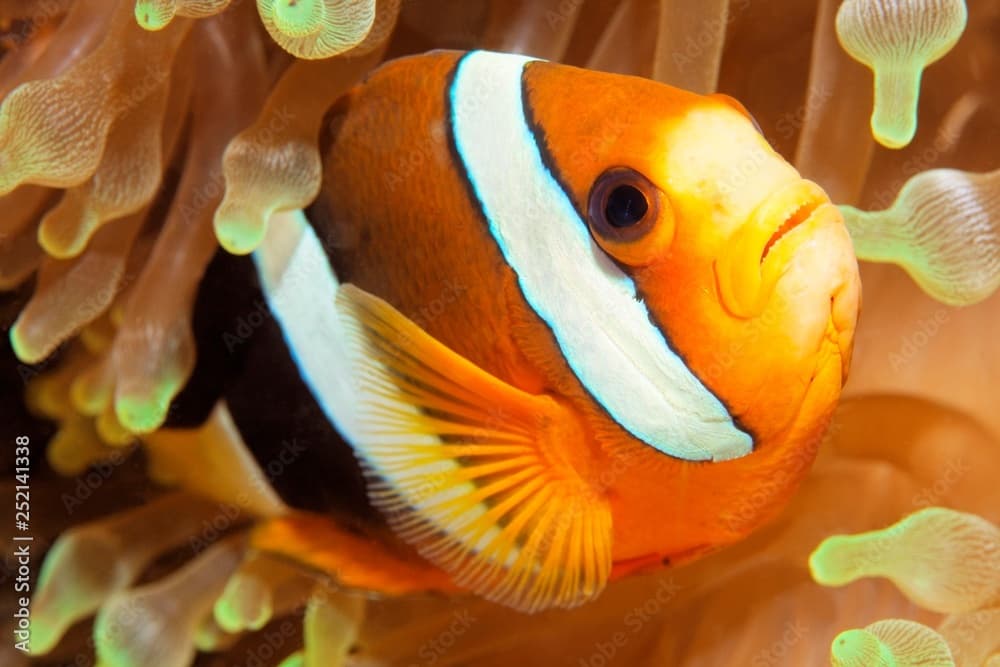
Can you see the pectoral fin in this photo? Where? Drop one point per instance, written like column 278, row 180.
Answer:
column 479, row 476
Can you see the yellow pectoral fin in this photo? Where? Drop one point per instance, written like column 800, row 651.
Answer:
column 473, row 472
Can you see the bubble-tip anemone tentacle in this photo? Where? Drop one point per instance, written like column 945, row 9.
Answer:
column 619, row 49
column 676, row 62
column 213, row 462
column 19, row 257
column 19, row 252
column 331, row 625
column 73, row 292
column 77, row 446
column 897, row 39
column 16, row 62
column 79, row 32
column 111, row 430
column 90, row 563
column 264, row 587
column 22, row 207
column 154, row 351
column 92, row 390
column 210, row 638
column 297, row 659
column 98, row 336
column 275, row 164
column 943, row 560
column 157, row 624
column 245, row 604
column 157, row 14
column 199, row 9
column 891, row 643
column 47, row 395
column 943, row 228
column 539, row 29
column 53, row 132
column 826, row 127
column 126, row 180
column 314, row 29
column 77, row 443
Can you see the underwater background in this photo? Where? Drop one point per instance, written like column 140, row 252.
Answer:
column 99, row 278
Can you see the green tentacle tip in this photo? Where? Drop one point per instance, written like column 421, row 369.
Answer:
column 943, row 229
column 78, row 574
column 824, row 563
column 245, row 604
column 89, row 396
column 897, row 39
column 942, row 560
column 154, row 14
column 64, row 232
column 239, row 230
column 298, row 18
column 145, row 414
column 859, row 648
column 296, row 659
column 50, row 621
column 21, row 347
column 891, row 643
column 315, row 29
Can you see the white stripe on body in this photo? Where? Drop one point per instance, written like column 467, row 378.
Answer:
column 588, row 303
column 301, row 289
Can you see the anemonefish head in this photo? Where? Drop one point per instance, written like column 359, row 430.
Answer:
column 701, row 291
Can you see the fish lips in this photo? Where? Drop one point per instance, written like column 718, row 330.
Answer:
column 761, row 251
column 796, row 236
column 814, row 274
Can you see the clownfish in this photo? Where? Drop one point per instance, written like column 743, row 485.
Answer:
column 543, row 327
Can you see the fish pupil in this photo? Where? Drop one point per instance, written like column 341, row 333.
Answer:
column 626, row 206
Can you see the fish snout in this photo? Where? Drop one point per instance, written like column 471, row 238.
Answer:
column 758, row 252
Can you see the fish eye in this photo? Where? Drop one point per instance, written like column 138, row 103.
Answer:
column 626, row 206
column 628, row 216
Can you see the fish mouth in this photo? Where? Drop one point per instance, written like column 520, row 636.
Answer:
column 757, row 254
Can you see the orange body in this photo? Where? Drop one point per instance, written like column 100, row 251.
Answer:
column 400, row 224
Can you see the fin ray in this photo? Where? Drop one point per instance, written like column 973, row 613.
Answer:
column 470, row 470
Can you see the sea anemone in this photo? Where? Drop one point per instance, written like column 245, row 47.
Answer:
column 139, row 138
